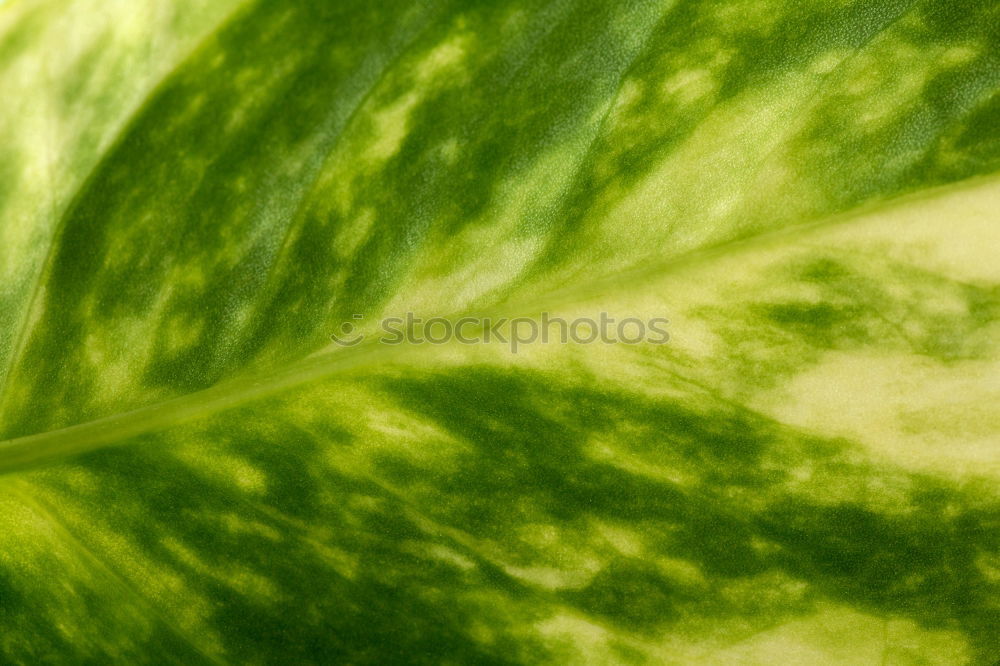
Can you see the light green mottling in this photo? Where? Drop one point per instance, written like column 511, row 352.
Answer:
column 64, row 106
column 194, row 196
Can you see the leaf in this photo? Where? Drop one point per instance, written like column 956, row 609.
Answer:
column 196, row 196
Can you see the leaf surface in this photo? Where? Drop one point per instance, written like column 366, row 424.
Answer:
column 196, row 195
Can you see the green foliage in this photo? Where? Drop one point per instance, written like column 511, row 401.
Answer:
column 195, row 194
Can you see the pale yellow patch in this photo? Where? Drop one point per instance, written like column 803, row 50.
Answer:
column 492, row 252
column 552, row 578
column 960, row 55
column 910, row 410
column 911, row 232
column 351, row 236
column 687, row 204
column 240, row 579
column 609, row 453
column 236, row 524
column 450, row 150
column 827, row 62
column 682, row 571
column 629, row 93
column 225, row 469
column 390, row 123
column 837, row 636
column 699, row 79
column 589, row 642
column 624, row 540
column 439, row 552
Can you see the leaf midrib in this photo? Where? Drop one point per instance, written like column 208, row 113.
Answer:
column 53, row 446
